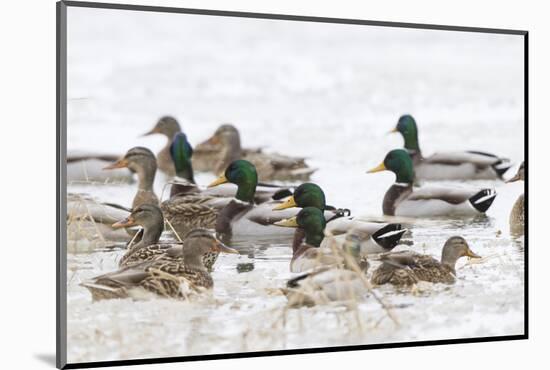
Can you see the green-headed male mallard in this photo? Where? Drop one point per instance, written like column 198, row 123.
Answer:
column 317, row 249
column 224, row 147
column 517, row 216
column 167, row 126
column 408, row 268
column 385, row 235
column 467, row 165
column 141, row 161
column 402, row 199
column 174, row 276
column 241, row 216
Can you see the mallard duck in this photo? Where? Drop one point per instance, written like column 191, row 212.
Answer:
column 317, row 248
column 86, row 167
column 337, row 277
column 167, row 126
column 468, row 165
column 408, row 268
column 311, row 195
column 151, row 220
column 241, row 216
column 141, row 161
column 429, row 201
column 175, row 276
column 224, row 147
column 517, row 216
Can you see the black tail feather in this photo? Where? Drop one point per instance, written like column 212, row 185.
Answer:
column 501, row 167
column 483, row 199
column 388, row 242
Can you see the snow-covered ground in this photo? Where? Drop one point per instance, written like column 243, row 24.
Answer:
column 327, row 92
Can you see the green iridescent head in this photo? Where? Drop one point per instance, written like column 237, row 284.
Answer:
column 399, row 162
column 181, row 153
column 406, row 126
column 312, row 221
column 243, row 174
column 306, row 195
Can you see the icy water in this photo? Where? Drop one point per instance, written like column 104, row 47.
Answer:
column 327, row 92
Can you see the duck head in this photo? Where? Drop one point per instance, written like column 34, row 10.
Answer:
column 226, row 135
column 243, row 174
column 400, row 163
column 406, row 126
column 199, row 242
column 181, row 153
column 312, row 221
column 141, row 161
column 167, row 126
column 455, row 248
column 305, row 195
column 149, row 217
column 520, row 175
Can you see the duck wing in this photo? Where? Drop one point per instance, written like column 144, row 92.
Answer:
column 447, row 194
column 480, row 159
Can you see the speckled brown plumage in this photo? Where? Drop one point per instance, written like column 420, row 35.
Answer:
column 163, row 276
column 517, row 215
column 174, row 274
column 151, row 252
column 189, row 212
column 407, row 268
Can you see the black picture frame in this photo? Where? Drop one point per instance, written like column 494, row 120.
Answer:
column 61, row 186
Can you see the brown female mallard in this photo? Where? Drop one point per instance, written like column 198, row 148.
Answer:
column 517, row 216
column 173, row 276
column 407, row 268
column 141, row 161
column 150, row 218
column 224, row 147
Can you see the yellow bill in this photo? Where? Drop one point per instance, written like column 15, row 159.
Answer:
column 379, row 168
column 220, row 180
column 289, row 203
column 287, row 222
